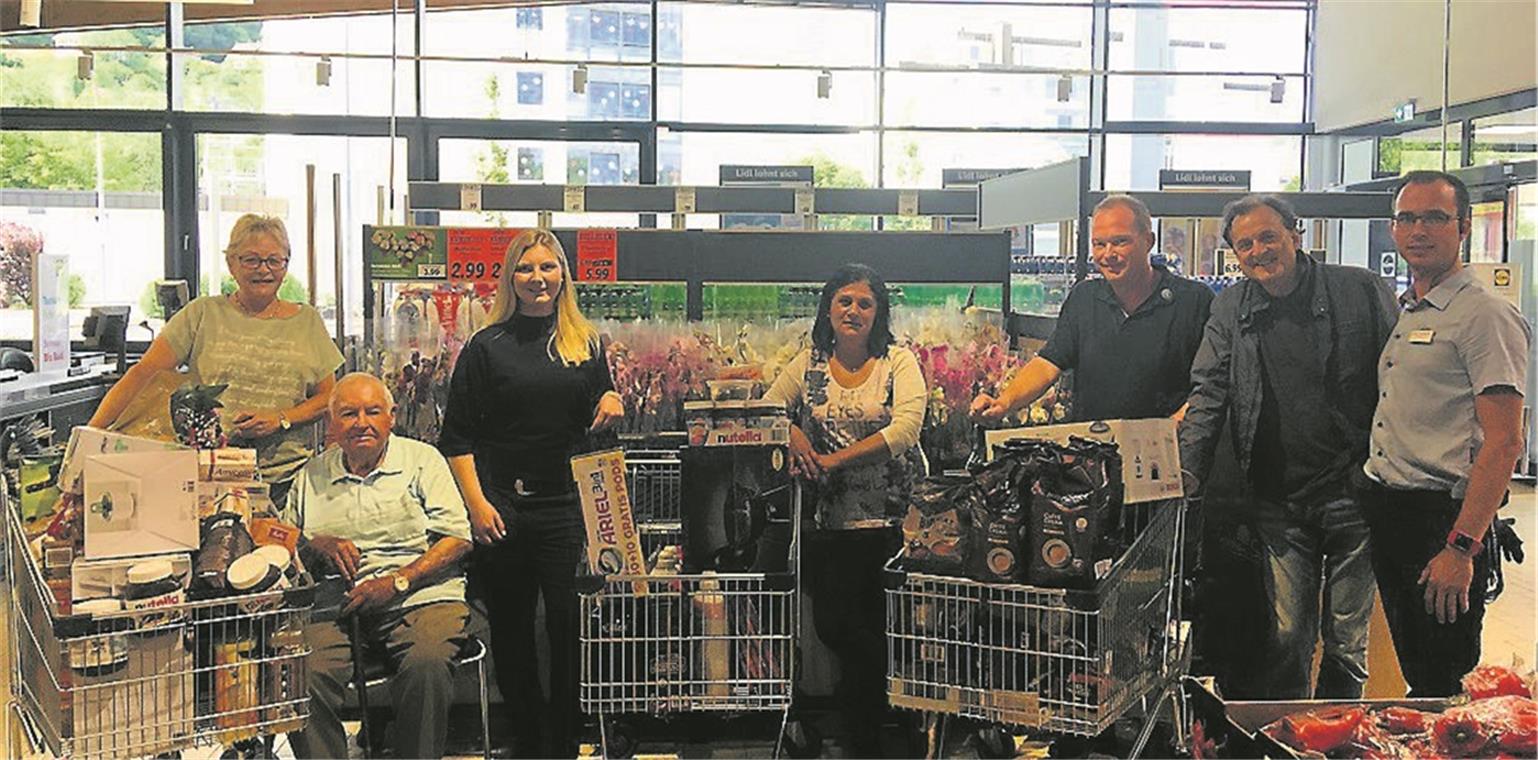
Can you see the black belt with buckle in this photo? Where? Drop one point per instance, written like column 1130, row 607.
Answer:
column 531, row 488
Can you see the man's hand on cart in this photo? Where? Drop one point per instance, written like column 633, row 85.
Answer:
column 369, row 595
column 987, row 409
column 343, row 554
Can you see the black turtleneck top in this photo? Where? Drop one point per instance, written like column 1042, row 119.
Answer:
column 522, row 413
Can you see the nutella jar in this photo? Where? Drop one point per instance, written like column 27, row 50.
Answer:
column 98, row 654
column 255, row 577
column 154, row 589
column 279, row 557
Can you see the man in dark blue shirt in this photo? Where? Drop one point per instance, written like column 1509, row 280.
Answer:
column 1129, row 336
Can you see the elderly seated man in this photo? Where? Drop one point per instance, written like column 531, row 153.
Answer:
column 385, row 511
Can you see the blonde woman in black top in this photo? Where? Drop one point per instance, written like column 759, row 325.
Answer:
column 527, row 391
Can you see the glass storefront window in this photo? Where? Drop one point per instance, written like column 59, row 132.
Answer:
column 1132, row 162
column 696, row 32
column 234, row 78
column 550, row 162
column 916, row 159
column 695, row 158
column 1204, row 98
column 265, row 174
column 973, row 36
column 33, row 76
column 1264, row 40
column 1506, row 138
column 94, row 197
column 737, row 96
column 972, row 99
column 1421, row 149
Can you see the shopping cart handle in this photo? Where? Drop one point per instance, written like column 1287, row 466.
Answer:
column 892, row 576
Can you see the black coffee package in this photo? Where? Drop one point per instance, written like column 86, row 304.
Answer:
column 1074, row 515
column 935, row 534
column 999, row 520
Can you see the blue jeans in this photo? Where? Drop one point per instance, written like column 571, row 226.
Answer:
column 1309, row 549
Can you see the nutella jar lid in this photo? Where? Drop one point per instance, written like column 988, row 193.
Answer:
column 251, row 573
column 151, row 571
column 276, row 554
column 101, row 606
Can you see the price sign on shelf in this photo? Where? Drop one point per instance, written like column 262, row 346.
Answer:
column 597, row 256
column 476, row 253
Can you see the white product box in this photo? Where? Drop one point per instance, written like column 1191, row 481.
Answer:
column 143, row 503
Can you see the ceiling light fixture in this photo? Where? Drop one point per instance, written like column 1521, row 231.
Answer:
column 824, row 84
column 579, row 79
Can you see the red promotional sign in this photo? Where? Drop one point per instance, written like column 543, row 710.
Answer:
column 475, row 254
column 597, row 256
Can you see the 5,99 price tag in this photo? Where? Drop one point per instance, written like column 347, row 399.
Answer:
column 597, row 256
column 476, row 254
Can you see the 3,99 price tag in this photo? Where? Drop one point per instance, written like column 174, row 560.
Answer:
column 476, row 254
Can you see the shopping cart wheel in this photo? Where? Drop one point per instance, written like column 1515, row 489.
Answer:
column 619, row 740
column 802, row 740
column 994, row 742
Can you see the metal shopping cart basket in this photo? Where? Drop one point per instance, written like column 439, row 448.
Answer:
column 137, row 683
column 1045, row 659
column 668, row 644
column 654, row 478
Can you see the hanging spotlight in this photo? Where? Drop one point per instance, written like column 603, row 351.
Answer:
column 1064, row 88
column 323, row 71
column 824, row 84
column 579, row 79
column 85, row 65
column 1278, row 89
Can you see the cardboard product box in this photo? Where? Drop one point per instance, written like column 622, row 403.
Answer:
column 140, row 503
column 243, row 498
column 99, row 578
column 1150, row 452
column 85, row 442
column 37, row 481
column 613, row 541
column 227, row 465
column 272, row 531
column 736, row 423
column 143, row 709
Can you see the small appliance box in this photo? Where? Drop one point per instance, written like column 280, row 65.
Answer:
column 736, row 480
column 613, row 541
column 108, row 578
column 85, row 442
column 1150, row 452
column 141, row 503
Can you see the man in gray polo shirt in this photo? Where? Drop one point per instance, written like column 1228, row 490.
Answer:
column 1445, row 438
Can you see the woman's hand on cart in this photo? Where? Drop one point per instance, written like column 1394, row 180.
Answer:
column 256, row 424
column 486, row 524
column 805, row 462
column 611, row 409
column 343, row 554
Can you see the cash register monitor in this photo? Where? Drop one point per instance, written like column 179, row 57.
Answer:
column 106, row 328
column 172, row 295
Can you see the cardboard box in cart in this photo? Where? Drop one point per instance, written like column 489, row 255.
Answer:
column 613, row 541
column 1150, row 452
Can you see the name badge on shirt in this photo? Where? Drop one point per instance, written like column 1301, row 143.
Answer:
column 1422, row 337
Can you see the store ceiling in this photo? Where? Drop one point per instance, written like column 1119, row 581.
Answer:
column 77, row 14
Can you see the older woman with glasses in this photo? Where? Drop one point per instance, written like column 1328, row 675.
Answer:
column 276, row 357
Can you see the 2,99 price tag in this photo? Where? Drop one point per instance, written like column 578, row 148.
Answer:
column 476, row 254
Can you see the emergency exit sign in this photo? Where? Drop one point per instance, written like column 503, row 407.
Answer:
column 1404, row 112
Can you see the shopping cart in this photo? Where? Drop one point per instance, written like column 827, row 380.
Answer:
column 668, row 644
column 142, row 683
column 1044, row 659
column 655, row 482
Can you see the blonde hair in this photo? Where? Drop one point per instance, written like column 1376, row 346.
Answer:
column 250, row 225
column 574, row 340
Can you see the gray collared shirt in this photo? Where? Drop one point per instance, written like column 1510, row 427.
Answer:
column 1457, row 342
column 389, row 514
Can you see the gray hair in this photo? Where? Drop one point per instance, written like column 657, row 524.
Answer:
column 360, row 377
column 1140, row 215
column 1254, row 202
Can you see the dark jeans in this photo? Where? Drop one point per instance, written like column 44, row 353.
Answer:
column 537, row 558
column 1309, row 549
column 1408, row 529
column 843, row 574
